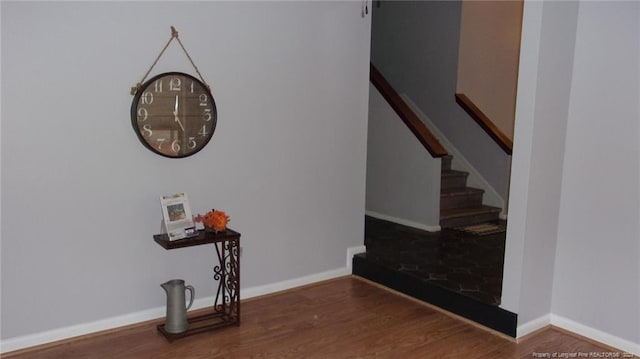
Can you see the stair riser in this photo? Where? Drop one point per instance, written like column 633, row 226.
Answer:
column 446, row 163
column 448, row 182
column 459, row 204
column 461, row 201
column 469, row 220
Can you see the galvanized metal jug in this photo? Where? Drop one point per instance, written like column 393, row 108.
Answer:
column 176, row 305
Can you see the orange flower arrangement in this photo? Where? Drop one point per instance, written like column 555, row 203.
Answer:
column 214, row 220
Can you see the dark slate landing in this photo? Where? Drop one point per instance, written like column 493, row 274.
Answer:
column 455, row 271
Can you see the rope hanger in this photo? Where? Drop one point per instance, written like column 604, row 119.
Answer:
column 174, row 35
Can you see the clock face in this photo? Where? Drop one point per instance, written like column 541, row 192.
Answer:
column 174, row 114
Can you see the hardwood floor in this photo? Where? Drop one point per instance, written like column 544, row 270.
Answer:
column 342, row 318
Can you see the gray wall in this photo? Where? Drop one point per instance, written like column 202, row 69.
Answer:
column 555, row 44
column 80, row 194
column 403, row 180
column 573, row 249
column 415, row 46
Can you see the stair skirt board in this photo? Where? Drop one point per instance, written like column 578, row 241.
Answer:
column 487, row 315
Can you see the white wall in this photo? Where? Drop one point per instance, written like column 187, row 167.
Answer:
column 596, row 280
column 403, row 180
column 80, row 194
column 572, row 254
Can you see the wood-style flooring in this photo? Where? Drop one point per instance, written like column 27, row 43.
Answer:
column 342, row 318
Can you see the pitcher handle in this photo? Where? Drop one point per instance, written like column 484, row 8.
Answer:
column 192, row 291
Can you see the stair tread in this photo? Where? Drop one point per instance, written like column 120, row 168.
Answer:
column 460, row 191
column 463, row 212
column 460, row 204
column 453, row 173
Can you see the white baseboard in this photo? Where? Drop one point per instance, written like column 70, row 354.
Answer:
column 475, row 179
column 49, row 336
column 53, row 335
column 580, row 329
column 533, row 325
column 404, row 222
column 292, row 283
column 595, row 334
column 352, row 251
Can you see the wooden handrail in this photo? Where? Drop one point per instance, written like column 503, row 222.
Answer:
column 487, row 125
column 417, row 127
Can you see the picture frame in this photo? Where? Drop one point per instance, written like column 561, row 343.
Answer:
column 177, row 220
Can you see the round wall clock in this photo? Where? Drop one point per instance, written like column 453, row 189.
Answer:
column 174, row 114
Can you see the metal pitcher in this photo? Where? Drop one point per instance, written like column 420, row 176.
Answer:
column 176, row 305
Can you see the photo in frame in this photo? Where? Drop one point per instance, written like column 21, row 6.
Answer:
column 177, row 220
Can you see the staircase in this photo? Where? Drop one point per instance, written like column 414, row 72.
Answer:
column 461, row 205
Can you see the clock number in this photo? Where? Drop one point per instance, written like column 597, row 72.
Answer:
column 147, row 130
column 192, row 87
column 203, row 131
column 160, row 142
column 192, row 143
column 147, row 98
column 206, row 115
column 175, row 146
column 203, row 99
column 142, row 114
column 174, row 84
column 158, row 86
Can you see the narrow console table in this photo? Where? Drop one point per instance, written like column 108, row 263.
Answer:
column 226, row 308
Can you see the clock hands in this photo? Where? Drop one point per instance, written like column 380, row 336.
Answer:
column 175, row 108
column 175, row 114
